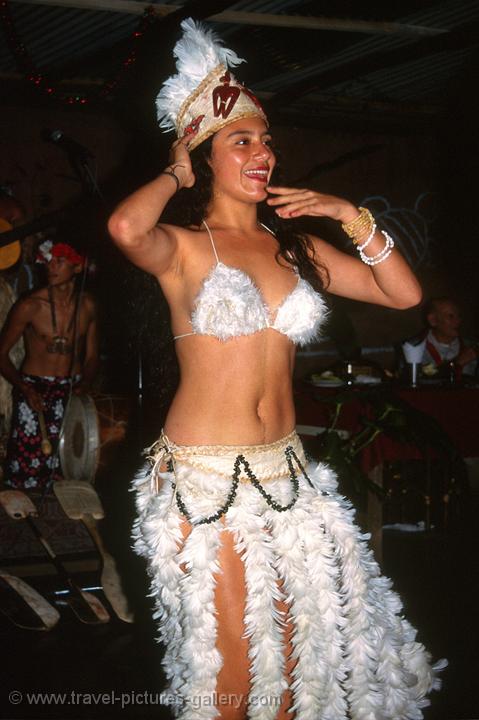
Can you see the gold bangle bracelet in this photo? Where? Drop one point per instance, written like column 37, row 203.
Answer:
column 359, row 226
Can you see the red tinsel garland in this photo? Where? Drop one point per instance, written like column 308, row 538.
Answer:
column 26, row 65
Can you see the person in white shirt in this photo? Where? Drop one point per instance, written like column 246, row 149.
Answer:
column 444, row 342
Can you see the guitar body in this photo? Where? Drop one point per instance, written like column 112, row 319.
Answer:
column 9, row 254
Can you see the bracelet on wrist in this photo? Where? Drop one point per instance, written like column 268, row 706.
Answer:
column 361, row 225
column 368, row 239
column 171, row 172
column 381, row 255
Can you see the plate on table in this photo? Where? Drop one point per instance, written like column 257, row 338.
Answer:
column 367, row 380
column 326, row 380
column 327, row 383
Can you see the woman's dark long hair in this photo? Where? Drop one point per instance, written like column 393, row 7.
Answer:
column 188, row 208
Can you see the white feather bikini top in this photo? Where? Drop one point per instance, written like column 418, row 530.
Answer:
column 229, row 305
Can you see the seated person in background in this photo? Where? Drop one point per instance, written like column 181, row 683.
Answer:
column 59, row 329
column 444, row 342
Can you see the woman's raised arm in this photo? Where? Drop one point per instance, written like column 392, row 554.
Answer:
column 383, row 277
column 134, row 224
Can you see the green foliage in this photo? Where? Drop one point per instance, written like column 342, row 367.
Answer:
column 379, row 412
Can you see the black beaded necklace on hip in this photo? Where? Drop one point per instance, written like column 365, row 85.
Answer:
column 241, row 461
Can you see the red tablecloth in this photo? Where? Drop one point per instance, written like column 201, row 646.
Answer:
column 455, row 409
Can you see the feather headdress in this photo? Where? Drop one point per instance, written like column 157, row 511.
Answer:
column 203, row 94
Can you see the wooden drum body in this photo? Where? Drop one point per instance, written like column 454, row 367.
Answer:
column 91, row 426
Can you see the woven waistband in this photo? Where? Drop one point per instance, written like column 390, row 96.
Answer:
column 185, row 451
column 220, row 458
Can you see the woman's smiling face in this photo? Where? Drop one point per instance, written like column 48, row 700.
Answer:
column 242, row 160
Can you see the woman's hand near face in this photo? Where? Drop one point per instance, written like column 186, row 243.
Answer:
column 391, row 283
column 293, row 202
column 180, row 161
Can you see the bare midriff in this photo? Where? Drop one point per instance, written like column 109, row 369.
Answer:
column 237, row 392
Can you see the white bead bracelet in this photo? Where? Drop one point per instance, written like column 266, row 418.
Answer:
column 382, row 255
column 368, row 239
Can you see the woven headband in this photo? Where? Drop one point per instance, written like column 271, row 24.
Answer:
column 204, row 95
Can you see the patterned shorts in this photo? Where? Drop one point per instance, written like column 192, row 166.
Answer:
column 26, row 466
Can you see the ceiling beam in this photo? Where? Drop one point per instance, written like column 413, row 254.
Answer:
column 460, row 38
column 296, row 22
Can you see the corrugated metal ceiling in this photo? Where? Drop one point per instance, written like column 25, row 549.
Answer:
column 86, row 44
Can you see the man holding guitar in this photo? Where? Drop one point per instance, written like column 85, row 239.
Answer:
column 58, row 326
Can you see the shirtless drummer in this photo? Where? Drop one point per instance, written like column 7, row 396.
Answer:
column 59, row 330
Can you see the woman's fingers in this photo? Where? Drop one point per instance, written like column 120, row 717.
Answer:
column 180, row 158
column 291, row 202
column 185, row 141
column 180, row 147
column 301, row 207
column 186, row 138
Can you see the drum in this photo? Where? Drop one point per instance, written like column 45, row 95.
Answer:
column 91, row 426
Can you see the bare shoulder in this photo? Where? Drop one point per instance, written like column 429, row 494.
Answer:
column 182, row 235
column 88, row 307
column 188, row 243
column 88, row 300
column 40, row 294
column 31, row 304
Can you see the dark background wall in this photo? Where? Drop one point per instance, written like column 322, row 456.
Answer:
column 436, row 161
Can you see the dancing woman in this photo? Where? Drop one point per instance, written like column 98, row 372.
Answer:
column 267, row 597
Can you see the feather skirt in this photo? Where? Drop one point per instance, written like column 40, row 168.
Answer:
column 355, row 656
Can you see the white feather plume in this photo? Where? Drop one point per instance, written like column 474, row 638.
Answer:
column 198, row 52
column 355, row 653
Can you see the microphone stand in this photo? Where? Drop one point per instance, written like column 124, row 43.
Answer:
column 79, row 161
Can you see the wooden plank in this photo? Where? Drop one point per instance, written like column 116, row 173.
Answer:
column 128, row 7
column 297, row 22
column 301, row 22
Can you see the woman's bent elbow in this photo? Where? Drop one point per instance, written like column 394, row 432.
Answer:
column 410, row 299
column 121, row 230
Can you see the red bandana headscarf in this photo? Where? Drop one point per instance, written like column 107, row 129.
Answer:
column 47, row 250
